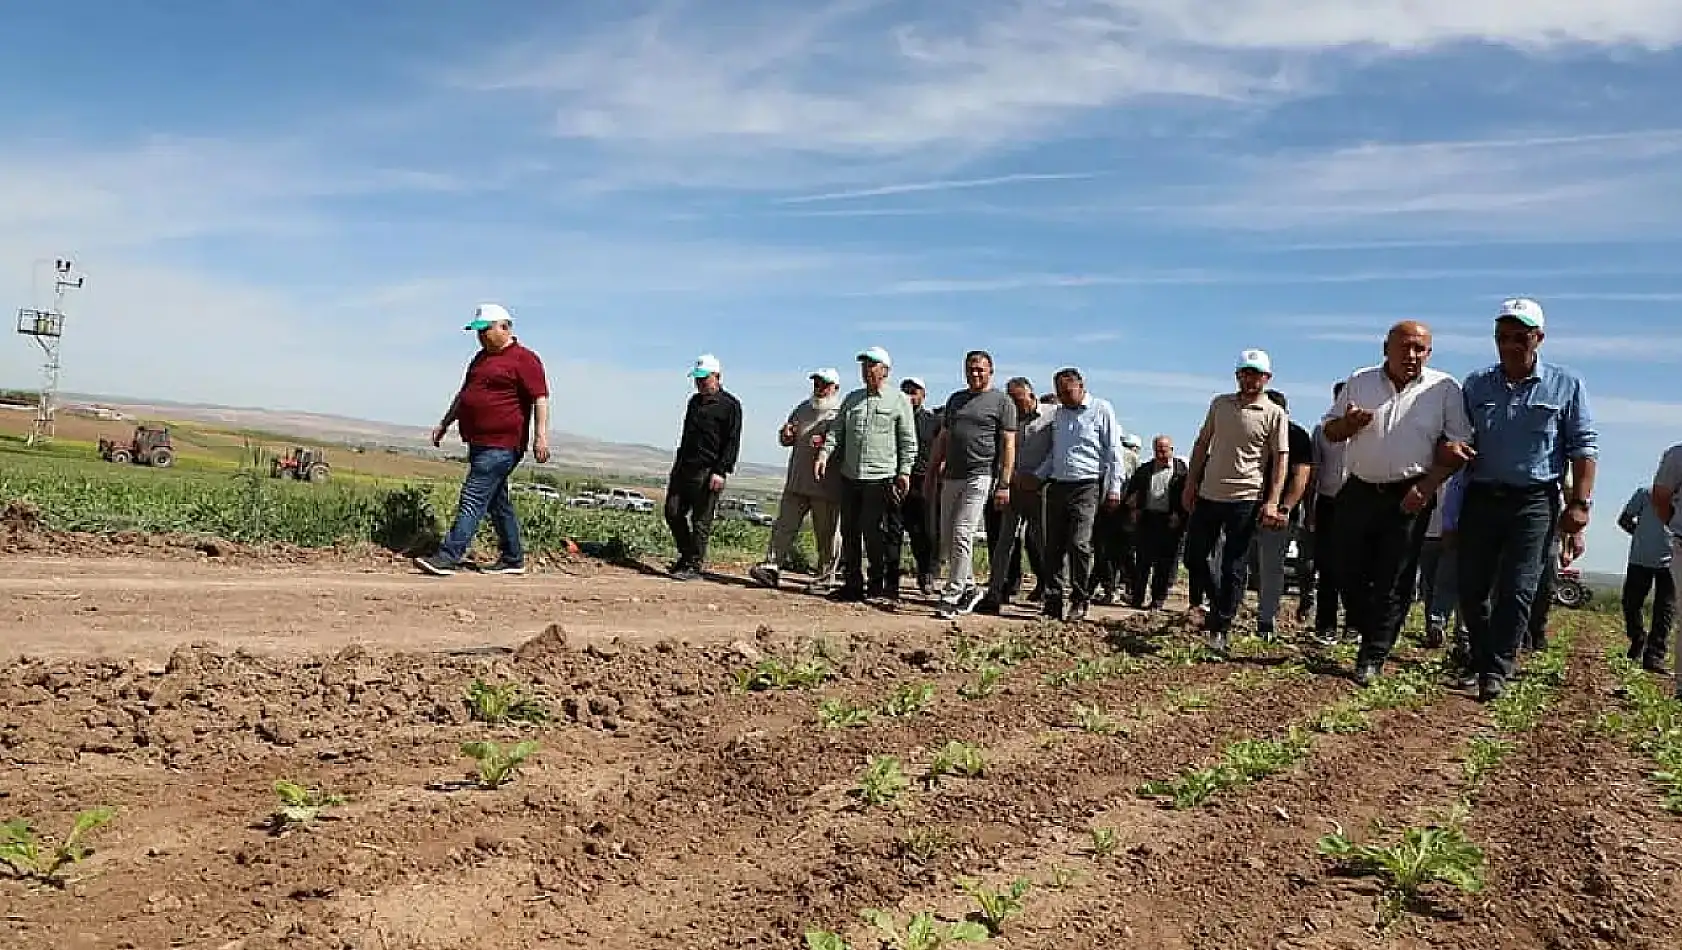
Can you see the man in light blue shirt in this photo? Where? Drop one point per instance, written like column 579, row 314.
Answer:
column 1531, row 425
column 1083, row 467
column 1648, row 570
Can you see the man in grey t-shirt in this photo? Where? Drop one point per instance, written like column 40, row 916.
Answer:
column 973, row 458
column 1666, row 498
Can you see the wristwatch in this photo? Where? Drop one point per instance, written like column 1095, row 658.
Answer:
column 1583, row 503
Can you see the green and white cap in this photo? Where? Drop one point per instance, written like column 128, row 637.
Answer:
column 488, row 315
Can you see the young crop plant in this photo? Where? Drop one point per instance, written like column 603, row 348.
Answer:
column 1088, row 669
column 986, row 677
column 299, row 805
column 1243, row 762
column 1410, row 686
column 502, row 703
column 1519, row 708
column 1104, row 842
column 883, row 781
column 1185, row 700
column 1654, row 720
column 1006, row 651
column 1341, row 719
column 26, row 857
column 774, row 673
column 955, row 758
column 1483, row 754
column 909, row 700
column 922, row 845
column 841, row 714
column 923, row 932
column 1093, row 719
column 996, row 906
column 825, row 940
column 497, row 765
column 1434, row 853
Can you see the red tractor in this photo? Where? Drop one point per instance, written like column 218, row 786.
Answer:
column 305, row 465
column 151, row 445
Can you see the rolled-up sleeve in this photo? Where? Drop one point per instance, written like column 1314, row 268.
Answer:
column 1577, row 431
column 1111, row 437
column 1457, row 422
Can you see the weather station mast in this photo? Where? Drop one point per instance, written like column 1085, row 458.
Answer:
column 47, row 327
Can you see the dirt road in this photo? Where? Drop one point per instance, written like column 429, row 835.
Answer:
column 147, row 607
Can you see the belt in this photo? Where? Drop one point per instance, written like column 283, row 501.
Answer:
column 1509, row 490
column 1400, row 486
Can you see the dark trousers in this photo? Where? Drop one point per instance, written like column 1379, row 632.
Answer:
column 1328, row 565
column 485, row 492
column 1112, row 550
column 1647, row 643
column 1543, row 603
column 1156, row 555
column 1378, row 553
column 690, row 504
column 870, row 527
column 1503, row 537
column 1230, row 524
column 1070, row 510
column 992, row 519
column 914, row 513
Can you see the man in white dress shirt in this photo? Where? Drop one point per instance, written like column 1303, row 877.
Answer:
column 1405, row 430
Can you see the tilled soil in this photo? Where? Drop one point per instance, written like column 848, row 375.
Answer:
column 663, row 807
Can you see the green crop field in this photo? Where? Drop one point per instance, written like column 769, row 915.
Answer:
column 237, row 501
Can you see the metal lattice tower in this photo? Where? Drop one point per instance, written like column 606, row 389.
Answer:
column 46, row 326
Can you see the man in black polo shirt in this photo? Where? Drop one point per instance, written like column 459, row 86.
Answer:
column 706, row 456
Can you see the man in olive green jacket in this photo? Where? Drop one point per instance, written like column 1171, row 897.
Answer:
column 873, row 443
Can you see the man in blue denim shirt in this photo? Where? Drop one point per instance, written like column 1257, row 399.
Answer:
column 1531, row 421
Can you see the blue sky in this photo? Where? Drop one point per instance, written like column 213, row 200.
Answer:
column 295, row 205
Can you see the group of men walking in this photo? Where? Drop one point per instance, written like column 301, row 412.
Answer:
column 1469, row 491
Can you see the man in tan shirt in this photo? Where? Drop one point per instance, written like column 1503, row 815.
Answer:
column 803, row 434
column 1240, row 454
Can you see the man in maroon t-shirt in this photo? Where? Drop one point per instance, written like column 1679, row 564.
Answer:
column 504, row 389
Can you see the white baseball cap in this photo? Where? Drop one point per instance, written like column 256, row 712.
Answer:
column 876, row 355
column 489, row 315
column 828, row 374
column 1131, row 441
column 705, row 365
column 1257, row 360
column 913, row 381
column 1524, row 310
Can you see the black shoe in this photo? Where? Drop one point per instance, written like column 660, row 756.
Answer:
column 1490, row 689
column 1634, row 651
column 1157, row 605
column 435, row 565
column 1365, row 673
column 1076, row 613
column 1433, row 638
column 686, row 574
column 1305, row 606
column 1052, row 608
column 846, row 595
column 989, row 606
column 1037, row 595
column 504, row 566
column 1654, row 665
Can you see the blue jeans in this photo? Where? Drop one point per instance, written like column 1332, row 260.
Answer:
column 1503, row 535
column 1231, row 524
column 485, row 491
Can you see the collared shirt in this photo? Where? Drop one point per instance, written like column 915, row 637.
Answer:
column 811, row 420
column 1401, row 440
column 1525, row 432
column 1085, row 445
column 1033, row 436
column 1451, row 497
column 1649, row 543
column 1243, row 440
column 1329, row 469
column 874, row 436
column 712, row 435
column 1669, row 475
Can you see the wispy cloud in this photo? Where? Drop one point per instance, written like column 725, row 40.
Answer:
column 1604, row 185
column 1619, row 411
column 908, row 326
column 950, row 184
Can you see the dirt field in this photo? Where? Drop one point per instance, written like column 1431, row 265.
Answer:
column 664, row 809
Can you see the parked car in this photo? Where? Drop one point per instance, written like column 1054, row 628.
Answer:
column 742, row 509
column 627, row 499
column 535, row 488
column 584, row 500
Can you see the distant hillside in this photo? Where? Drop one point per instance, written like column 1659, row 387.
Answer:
column 571, row 451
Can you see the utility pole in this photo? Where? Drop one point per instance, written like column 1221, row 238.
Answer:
column 47, row 328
